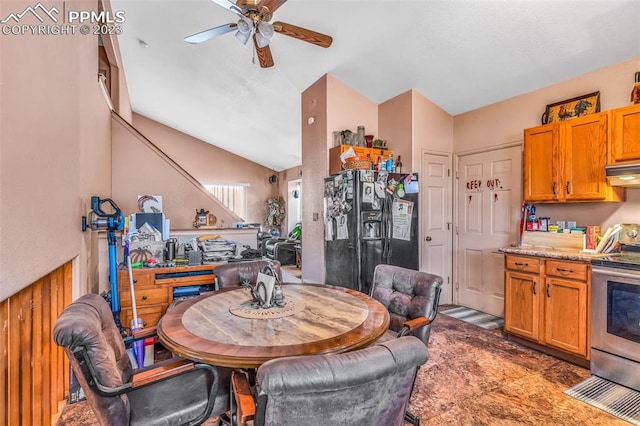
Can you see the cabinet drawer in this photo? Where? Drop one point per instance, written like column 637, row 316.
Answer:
column 140, row 278
column 523, row 264
column 150, row 315
column 574, row 271
column 145, row 296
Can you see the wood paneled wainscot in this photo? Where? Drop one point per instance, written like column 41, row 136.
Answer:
column 547, row 305
column 564, row 162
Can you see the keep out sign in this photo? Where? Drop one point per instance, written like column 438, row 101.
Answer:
column 477, row 184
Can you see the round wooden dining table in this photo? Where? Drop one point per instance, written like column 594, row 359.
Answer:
column 221, row 328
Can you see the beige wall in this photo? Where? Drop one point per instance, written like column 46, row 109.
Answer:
column 209, row 164
column 334, row 106
column 54, row 153
column 432, row 129
column 505, row 121
column 411, row 124
column 139, row 169
column 284, row 177
column 396, row 126
column 315, row 160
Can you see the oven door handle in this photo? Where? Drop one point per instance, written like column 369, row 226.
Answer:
column 613, row 273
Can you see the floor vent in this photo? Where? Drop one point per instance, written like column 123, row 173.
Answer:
column 615, row 399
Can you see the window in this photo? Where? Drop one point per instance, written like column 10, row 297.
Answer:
column 233, row 196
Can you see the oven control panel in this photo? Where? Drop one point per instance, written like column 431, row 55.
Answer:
column 630, row 234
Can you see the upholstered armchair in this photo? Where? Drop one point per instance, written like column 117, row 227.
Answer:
column 176, row 391
column 283, row 249
column 370, row 386
column 233, row 273
column 411, row 297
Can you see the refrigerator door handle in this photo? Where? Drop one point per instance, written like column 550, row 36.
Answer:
column 388, row 223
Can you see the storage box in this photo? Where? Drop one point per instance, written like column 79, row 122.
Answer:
column 593, row 232
column 554, row 241
column 141, row 251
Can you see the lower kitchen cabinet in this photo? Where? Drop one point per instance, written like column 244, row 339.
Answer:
column 547, row 303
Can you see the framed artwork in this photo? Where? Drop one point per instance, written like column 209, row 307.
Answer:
column 572, row 108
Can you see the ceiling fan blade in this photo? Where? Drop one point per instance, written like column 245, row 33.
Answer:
column 230, row 5
column 303, row 34
column 264, row 54
column 272, row 5
column 210, row 33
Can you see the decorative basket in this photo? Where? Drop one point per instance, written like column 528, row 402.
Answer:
column 358, row 164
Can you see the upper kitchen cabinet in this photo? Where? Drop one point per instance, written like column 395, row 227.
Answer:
column 625, row 134
column 541, row 166
column 564, row 162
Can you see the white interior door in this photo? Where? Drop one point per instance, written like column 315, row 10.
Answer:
column 435, row 181
column 489, row 194
column 294, row 204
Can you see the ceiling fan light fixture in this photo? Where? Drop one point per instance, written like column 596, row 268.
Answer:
column 244, row 26
column 265, row 29
column 261, row 41
column 243, row 37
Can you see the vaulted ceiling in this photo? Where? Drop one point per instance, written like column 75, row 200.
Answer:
column 460, row 54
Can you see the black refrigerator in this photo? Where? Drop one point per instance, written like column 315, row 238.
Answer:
column 369, row 218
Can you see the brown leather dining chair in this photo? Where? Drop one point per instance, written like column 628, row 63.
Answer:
column 366, row 387
column 412, row 298
column 175, row 391
column 234, row 273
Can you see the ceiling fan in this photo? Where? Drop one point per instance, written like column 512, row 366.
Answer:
column 255, row 17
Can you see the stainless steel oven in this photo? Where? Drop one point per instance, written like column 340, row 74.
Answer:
column 615, row 320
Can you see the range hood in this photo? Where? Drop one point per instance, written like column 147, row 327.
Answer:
column 624, row 175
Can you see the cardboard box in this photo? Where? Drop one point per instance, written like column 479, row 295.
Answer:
column 593, row 232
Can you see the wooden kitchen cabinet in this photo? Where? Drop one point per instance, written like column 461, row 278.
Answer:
column 153, row 289
column 625, row 134
column 521, row 295
column 547, row 303
column 564, row 162
column 540, row 163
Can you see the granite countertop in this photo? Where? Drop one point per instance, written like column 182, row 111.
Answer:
column 554, row 253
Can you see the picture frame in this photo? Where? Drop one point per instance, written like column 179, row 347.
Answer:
column 572, row 108
column 211, row 219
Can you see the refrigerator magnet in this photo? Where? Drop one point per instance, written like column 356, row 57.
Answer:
column 342, row 230
column 411, row 187
column 379, row 188
column 367, row 192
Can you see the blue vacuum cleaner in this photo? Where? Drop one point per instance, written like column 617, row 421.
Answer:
column 112, row 222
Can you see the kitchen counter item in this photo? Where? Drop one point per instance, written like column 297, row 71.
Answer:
column 556, row 253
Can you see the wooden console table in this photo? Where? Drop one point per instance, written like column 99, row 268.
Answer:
column 154, row 289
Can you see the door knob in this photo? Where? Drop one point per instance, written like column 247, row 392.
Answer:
column 427, row 238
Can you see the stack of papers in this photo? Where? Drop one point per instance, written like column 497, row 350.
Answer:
column 216, row 250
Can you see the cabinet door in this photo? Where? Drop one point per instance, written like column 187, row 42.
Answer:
column 540, row 163
column 521, row 299
column 566, row 315
column 584, row 146
column 625, row 134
